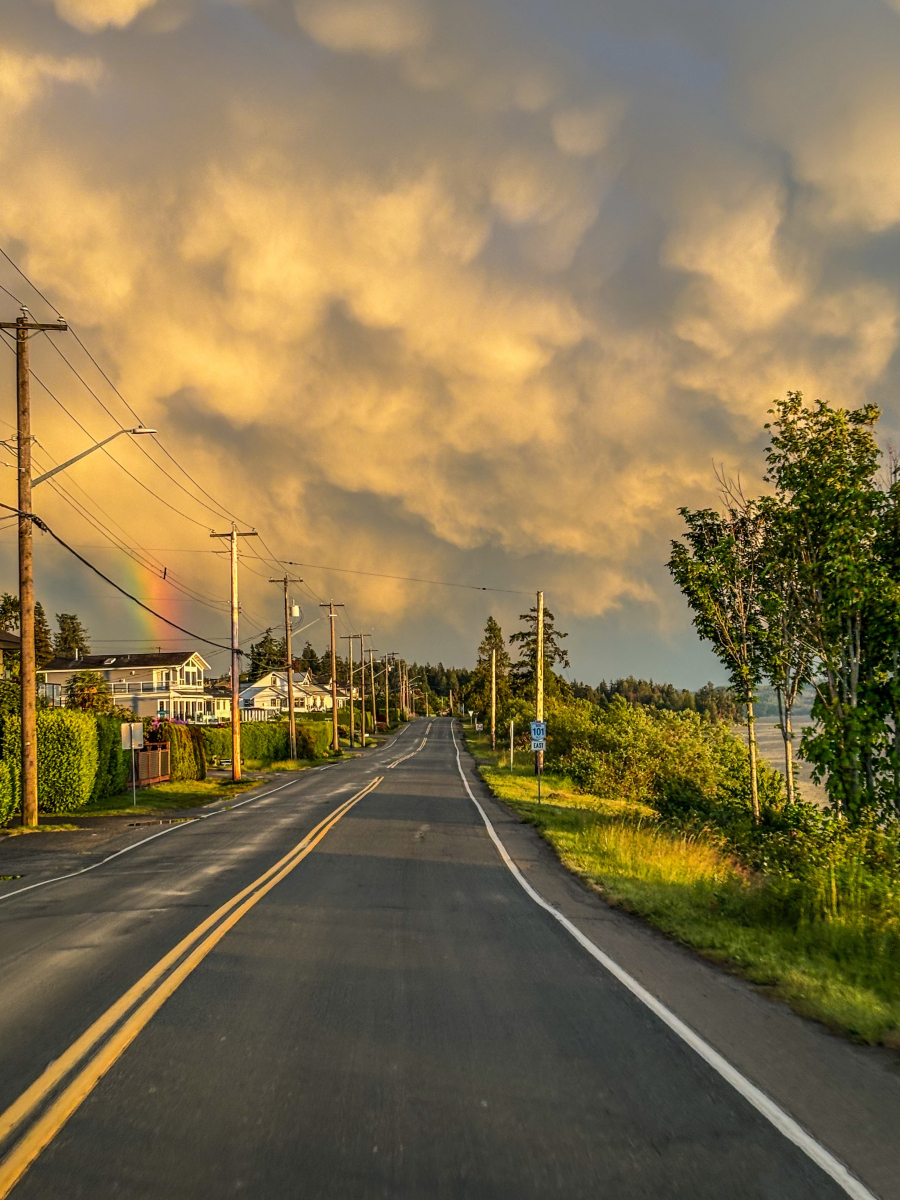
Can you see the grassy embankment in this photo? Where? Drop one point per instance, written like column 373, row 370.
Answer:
column 843, row 970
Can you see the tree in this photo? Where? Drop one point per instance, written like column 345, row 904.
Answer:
column 89, row 691
column 309, row 660
column 823, row 463
column 9, row 612
column 478, row 689
column 72, row 639
column 43, row 641
column 524, row 669
column 266, row 655
column 719, row 570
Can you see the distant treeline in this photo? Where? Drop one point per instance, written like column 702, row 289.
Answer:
column 717, row 703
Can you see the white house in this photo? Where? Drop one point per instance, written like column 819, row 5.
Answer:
column 268, row 695
column 153, row 685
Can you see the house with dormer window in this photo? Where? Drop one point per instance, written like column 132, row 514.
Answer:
column 268, row 696
column 170, row 685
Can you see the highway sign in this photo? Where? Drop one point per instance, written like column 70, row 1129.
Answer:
column 538, row 729
column 539, row 743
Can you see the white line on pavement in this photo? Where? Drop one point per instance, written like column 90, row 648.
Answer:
column 764, row 1104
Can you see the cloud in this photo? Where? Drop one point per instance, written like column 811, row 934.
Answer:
column 452, row 289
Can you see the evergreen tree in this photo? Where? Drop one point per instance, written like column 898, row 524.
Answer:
column 43, row 641
column 266, row 655
column 9, row 612
column 524, row 670
column 309, row 660
column 478, row 689
column 72, row 637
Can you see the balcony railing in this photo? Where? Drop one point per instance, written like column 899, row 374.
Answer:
column 147, row 685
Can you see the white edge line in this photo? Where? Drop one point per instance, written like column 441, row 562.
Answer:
column 172, row 829
column 764, row 1104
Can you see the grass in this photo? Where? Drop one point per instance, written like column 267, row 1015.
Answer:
column 166, row 797
column 843, row 970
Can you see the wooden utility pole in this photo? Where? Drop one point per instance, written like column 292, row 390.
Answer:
column 493, row 699
column 27, row 664
column 388, row 664
column 233, row 536
column 362, row 690
column 372, row 681
column 289, row 663
column 335, row 740
column 539, row 680
column 348, row 638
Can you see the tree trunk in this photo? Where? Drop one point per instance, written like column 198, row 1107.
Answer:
column 787, row 734
column 751, row 745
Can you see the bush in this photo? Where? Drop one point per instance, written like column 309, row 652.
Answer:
column 67, row 758
column 186, row 756
column 7, row 796
column 112, row 761
column 267, row 741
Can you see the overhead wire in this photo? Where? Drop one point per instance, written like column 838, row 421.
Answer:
column 44, row 527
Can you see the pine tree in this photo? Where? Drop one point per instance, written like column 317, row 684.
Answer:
column 266, row 655
column 9, row 612
column 478, row 689
column 43, row 642
column 524, row 669
column 72, row 638
column 309, row 660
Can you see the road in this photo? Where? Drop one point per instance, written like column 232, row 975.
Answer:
column 390, row 1013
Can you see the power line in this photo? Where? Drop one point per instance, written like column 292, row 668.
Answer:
column 408, row 578
column 44, row 527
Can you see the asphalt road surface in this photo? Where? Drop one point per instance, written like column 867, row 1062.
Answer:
column 388, row 1012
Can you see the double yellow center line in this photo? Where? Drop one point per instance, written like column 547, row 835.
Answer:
column 151, row 990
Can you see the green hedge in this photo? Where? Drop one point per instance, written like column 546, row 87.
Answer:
column 267, row 741
column 112, row 761
column 187, row 754
column 67, row 757
column 7, row 795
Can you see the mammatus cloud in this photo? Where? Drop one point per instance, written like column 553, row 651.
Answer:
column 421, row 284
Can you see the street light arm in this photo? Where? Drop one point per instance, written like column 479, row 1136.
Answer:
column 85, row 453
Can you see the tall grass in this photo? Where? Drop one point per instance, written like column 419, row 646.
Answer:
column 828, row 942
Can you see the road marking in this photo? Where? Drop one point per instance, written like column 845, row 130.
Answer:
column 397, row 763
column 42, row 1132
column 152, row 837
column 763, row 1104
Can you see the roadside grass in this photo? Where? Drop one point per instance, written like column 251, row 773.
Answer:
column 842, row 969
column 166, row 797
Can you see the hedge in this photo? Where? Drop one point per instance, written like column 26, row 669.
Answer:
column 187, row 756
column 112, row 761
column 267, row 741
column 67, row 758
column 7, row 796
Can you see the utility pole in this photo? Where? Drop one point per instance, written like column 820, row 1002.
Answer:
column 493, row 699
column 233, row 536
column 27, row 663
column 372, row 681
column 335, row 740
column 388, row 663
column 289, row 663
column 539, row 681
column 362, row 690
column 349, row 638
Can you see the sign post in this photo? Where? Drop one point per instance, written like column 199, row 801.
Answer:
column 538, row 746
column 133, row 739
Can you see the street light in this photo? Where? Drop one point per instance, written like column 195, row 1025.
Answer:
column 90, row 450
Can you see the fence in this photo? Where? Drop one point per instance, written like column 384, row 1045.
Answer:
column 152, row 765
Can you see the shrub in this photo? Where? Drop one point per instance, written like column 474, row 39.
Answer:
column 89, row 691
column 112, row 761
column 7, row 797
column 186, row 757
column 67, row 758
column 267, row 741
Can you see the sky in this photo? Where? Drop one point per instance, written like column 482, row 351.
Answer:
column 471, row 292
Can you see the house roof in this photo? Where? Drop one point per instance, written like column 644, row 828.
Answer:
column 97, row 662
column 9, row 641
